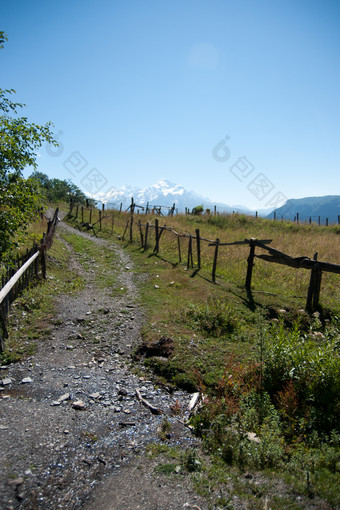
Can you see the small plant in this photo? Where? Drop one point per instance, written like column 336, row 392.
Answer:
column 215, row 318
column 164, row 429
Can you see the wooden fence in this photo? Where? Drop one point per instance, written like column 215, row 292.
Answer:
column 194, row 244
column 14, row 281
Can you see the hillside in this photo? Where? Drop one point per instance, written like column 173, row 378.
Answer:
column 310, row 207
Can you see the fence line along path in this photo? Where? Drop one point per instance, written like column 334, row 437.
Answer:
column 26, row 273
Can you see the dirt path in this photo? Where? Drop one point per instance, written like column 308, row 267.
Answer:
column 72, row 432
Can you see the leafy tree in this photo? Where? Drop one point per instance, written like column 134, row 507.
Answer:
column 19, row 141
column 56, row 190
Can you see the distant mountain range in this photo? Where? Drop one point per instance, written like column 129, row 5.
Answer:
column 164, row 193
column 310, row 207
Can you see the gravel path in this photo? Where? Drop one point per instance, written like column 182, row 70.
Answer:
column 72, row 432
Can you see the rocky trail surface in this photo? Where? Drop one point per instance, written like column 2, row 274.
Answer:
column 72, row 430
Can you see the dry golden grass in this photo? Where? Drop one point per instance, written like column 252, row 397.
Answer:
column 291, row 238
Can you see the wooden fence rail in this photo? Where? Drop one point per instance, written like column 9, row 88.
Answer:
column 28, row 270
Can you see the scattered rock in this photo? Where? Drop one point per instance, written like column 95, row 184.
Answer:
column 6, row 381
column 64, row 397
column 27, row 380
column 16, row 481
column 79, row 405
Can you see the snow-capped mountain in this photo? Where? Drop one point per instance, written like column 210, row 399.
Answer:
column 163, row 193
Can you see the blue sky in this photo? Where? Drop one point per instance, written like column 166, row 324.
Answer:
column 138, row 91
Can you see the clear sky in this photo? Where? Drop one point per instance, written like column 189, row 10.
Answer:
column 140, row 90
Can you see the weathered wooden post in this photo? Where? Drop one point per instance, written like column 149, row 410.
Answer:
column 157, row 236
column 213, row 275
column 100, row 220
column 90, row 219
column 141, row 233
column 43, row 257
column 274, row 215
column 146, row 236
column 103, row 207
column 179, row 248
column 132, row 207
column 250, row 264
column 313, row 294
column 120, row 208
column 319, row 221
column 189, row 251
column 297, row 217
column 338, row 219
column 198, row 244
column 326, row 222
column 82, row 214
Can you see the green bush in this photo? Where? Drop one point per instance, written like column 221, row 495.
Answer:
column 300, row 368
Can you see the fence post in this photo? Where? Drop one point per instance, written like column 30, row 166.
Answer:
column 319, row 221
column 326, row 222
column 250, row 264
column 43, row 257
column 141, row 234
column 90, row 220
column 132, row 206
column 82, row 214
column 179, row 248
column 198, row 244
column 338, row 219
column 157, row 236
column 313, row 294
column 146, row 236
column 213, row 275
column 189, row 252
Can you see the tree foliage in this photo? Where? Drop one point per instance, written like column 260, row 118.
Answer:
column 19, row 141
column 57, row 190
